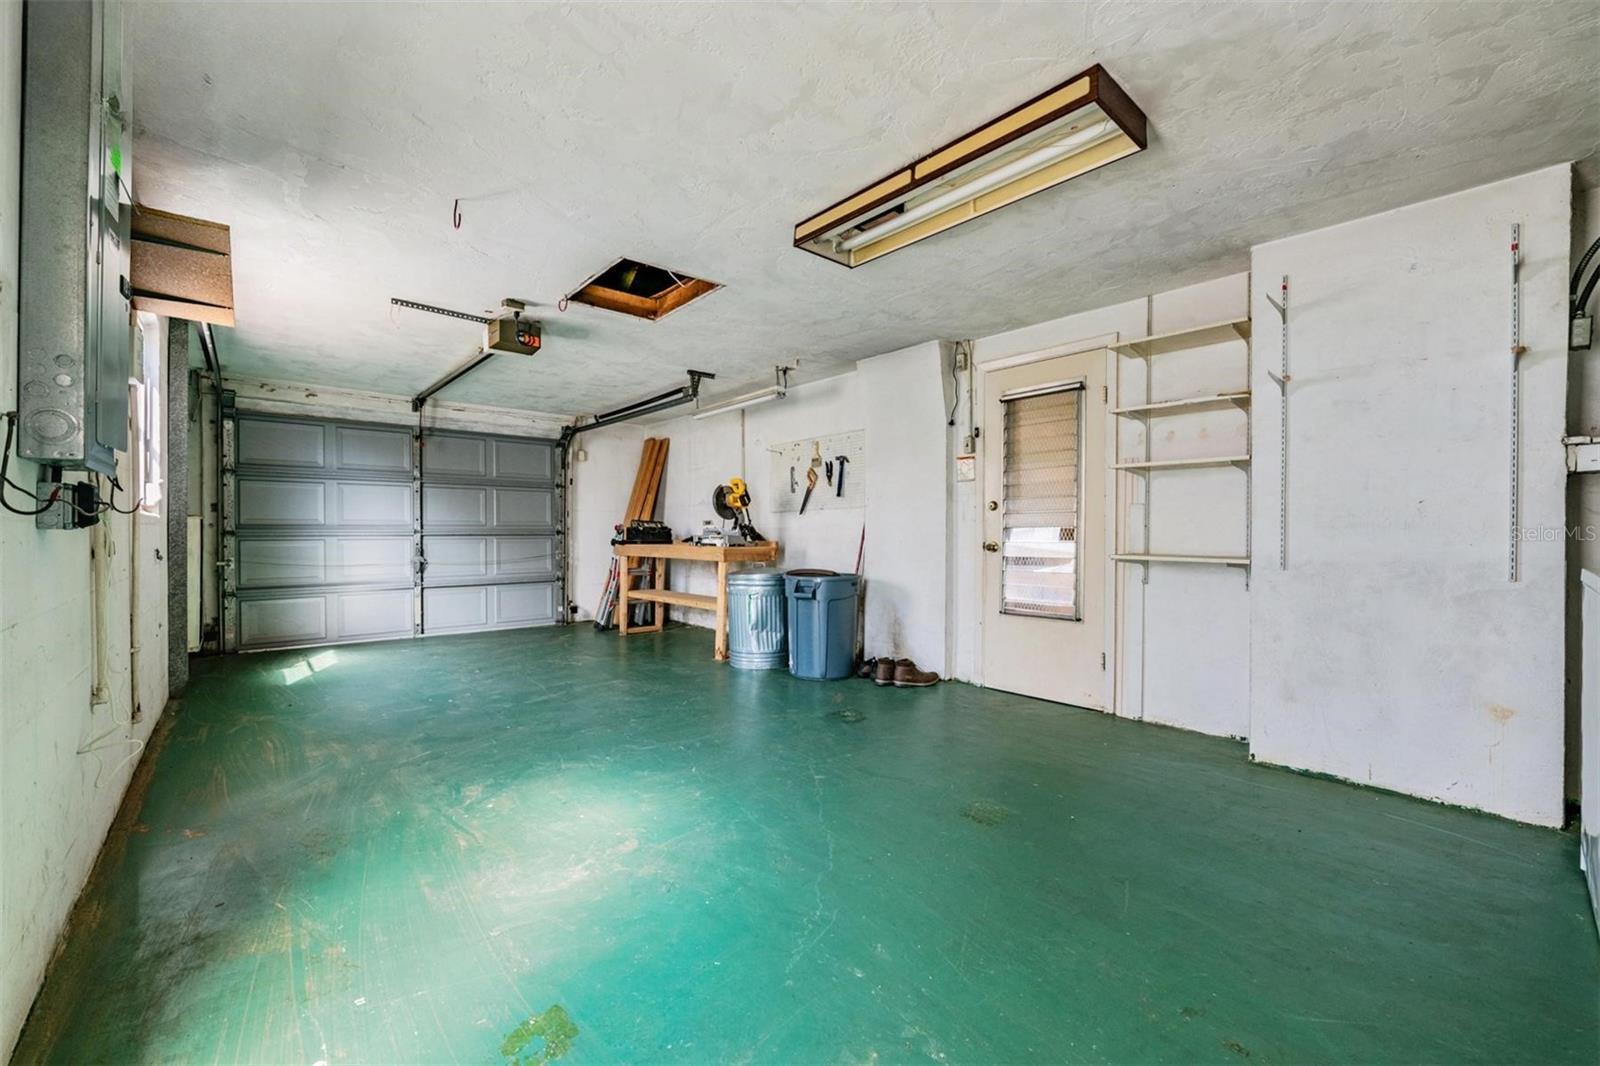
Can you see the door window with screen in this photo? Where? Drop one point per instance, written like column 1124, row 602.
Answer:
column 1040, row 502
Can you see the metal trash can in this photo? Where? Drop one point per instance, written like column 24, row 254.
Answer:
column 822, row 624
column 756, row 622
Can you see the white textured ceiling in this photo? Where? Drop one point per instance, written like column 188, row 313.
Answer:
column 334, row 138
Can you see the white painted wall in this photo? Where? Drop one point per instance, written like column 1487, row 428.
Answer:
column 906, row 397
column 1393, row 651
column 703, row 454
column 1181, row 639
column 69, row 732
column 898, row 400
column 598, row 487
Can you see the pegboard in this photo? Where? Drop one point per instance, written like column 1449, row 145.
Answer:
column 797, row 455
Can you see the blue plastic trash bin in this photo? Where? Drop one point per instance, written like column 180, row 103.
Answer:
column 822, row 624
column 756, row 622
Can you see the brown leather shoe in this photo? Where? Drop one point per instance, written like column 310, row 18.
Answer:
column 883, row 672
column 906, row 675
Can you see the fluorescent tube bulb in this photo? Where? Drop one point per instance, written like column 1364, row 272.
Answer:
column 1037, row 159
column 771, row 392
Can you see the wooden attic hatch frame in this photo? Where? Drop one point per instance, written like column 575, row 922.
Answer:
column 181, row 267
column 630, row 287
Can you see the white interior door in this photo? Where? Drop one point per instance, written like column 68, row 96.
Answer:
column 1043, row 546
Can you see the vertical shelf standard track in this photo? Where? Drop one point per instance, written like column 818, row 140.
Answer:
column 1514, row 487
column 1281, row 379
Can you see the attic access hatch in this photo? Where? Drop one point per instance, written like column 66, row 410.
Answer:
column 630, row 287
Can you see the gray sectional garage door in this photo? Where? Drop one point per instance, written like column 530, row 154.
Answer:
column 346, row 532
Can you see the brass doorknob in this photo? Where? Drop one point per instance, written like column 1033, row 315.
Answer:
column 991, row 546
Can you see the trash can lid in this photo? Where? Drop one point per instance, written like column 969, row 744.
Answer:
column 811, row 572
column 759, row 577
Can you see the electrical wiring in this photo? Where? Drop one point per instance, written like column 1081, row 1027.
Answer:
column 5, row 478
column 1588, row 291
column 110, row 503
column 1580, row 300
column 1583, row 263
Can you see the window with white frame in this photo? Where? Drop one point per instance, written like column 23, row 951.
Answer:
column 145, row 410
column 1043, row 469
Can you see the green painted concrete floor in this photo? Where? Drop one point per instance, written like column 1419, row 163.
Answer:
column 519, row 847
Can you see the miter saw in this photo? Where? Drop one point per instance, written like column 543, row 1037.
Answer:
column 732, row 503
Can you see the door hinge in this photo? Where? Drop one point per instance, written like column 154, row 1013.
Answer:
column 1102, row 660
column 1105, row 393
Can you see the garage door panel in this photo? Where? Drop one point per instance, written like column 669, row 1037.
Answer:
column 455, row 558
column 324, row 617
column 524, row 507
column 295, row 620
column 314, row 448
column 523, row 460
column 455, row 457
column 455, row 507
column 297, row 445
column 280, row 563
column 328, row 517
column 287, row 562
column 373, row 450
column 282, row 503
column 373, row 615
column 477, row 607
column 370, row 561
column 524, row 604
column 458, row 559
column 274, row 502
column 373, row 504
column 446, row 610
column 444, row 455
column 475, row 507
column 525, row 557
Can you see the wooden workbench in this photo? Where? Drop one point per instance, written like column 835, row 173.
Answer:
column 765, row 552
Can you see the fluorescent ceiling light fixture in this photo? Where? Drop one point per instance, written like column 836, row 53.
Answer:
column 1078, row 126
column 750, row 399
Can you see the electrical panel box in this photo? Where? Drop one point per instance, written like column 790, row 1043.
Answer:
column 74, row 339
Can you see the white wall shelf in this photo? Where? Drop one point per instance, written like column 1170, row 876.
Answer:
column 1194, row 337
column 1223, row 560
column 1135, row 548
column 1188, row 403
column 1178, row 464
